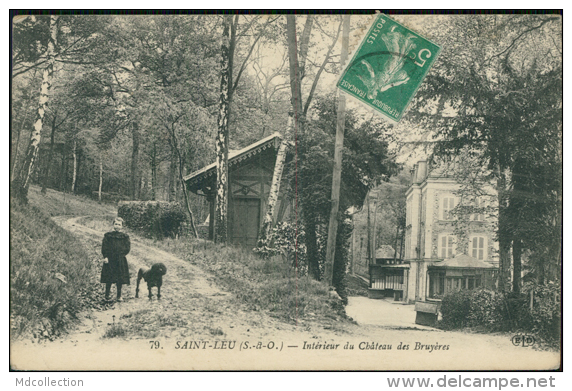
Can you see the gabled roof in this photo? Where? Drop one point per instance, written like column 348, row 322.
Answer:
column 235, row 157
column 464, row 261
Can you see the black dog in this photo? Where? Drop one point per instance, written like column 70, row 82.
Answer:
column 153, row 277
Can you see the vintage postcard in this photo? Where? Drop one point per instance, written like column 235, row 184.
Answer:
column 188, row 193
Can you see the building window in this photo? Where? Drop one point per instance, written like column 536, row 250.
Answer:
column 447, row 206
column 478, row 247
column 447, row 246
column 436, row 284
column 479, row 205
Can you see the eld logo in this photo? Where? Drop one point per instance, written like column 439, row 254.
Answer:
column 523, row 340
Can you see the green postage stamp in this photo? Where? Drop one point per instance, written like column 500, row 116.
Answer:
column 388, row 67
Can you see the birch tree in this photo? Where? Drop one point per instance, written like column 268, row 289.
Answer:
column 23, row 182
column 227, row 88
column 225, row 99
column 265, row 237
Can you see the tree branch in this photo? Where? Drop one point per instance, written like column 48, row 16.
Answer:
column 304, row 44
column 518, row 37
column 243, row 66
column 316, row 79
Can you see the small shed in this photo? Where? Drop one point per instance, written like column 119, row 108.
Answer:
column 250, row 177
column 388, row 278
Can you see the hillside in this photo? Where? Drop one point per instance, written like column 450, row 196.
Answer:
column 53, row 277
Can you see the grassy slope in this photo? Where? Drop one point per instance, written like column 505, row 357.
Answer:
column 269, row 285
column 56, row 203
column 41, row 305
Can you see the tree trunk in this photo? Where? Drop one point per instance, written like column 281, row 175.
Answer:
column 63, row 171
column 100, row 175
column 265, row 236
column 135, row 180
column 23, row 183
column 188, row 205
column 353, row 248
column 50, row 156
column 374, row 236
column 173, row 175
column 185, row 192
column 17, row 144
column 154, row 172
column 15, row 154
column 368, row 229
column 305, row 44
column 504, row 240
column 338, row 154
column 227, row 53
column 396, row 241
column 74, row 177
column 312, row 256
column 295, row 86
column 320, row 70
column 401, row 243
column 517, row 265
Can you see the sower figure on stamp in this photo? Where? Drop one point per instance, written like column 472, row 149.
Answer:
column 115, row 247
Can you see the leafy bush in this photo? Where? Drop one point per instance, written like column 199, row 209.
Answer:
column 288, row 240
column 546, row 314
column 155, row 219
column 455, row 309
column 481, row 308
column 493, row 311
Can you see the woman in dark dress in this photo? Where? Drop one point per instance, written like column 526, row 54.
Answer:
column 115, row 247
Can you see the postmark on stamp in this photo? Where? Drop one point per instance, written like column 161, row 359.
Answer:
column 388, row 67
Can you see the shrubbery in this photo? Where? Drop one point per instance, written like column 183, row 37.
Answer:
column 546, row 314
column 157, row 219
column 493, row 311
column 288, row 240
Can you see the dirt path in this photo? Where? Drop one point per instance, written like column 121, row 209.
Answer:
column 187, row 294
column 384, row 313
column 196, row 325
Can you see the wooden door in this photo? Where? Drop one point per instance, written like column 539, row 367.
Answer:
column 245, row 221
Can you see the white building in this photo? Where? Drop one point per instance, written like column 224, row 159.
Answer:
column 444, row 250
